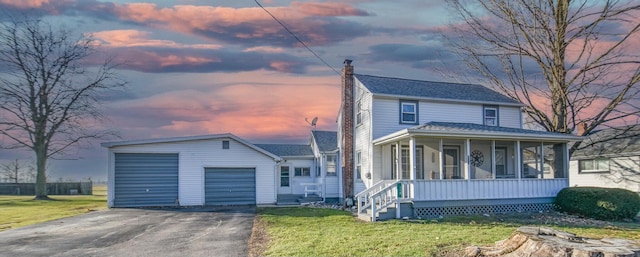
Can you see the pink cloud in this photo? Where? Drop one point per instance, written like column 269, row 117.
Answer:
column 134, row 38
column 328, row 9
column 23, row 4
column 252, row 109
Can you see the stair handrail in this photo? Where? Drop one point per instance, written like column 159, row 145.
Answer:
column 363, row 198
column 388, row 196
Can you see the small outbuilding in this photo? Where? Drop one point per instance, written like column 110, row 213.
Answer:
column 220, row 169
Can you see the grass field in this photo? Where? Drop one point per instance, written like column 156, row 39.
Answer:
column 18, row 211
column 327, row 232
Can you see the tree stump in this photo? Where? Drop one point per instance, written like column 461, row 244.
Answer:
column 543, row 241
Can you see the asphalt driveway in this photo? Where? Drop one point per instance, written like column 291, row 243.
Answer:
column 136, row 232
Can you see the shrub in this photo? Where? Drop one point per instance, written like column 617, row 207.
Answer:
column 599, row 203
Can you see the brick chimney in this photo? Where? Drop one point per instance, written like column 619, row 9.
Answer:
column 347, row 129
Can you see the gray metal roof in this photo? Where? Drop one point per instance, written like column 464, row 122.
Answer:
column 472, row 127
column 283, row 150
column 470, row 130
column 186, row 139
column 430, row 89
column 621, row 141
column 327, row 140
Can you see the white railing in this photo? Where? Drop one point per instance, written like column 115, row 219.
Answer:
column 437, row 190
column 385, row 193
column 363, row 199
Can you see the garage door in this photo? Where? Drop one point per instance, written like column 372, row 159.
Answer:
column 145, row 179
column 230, row 186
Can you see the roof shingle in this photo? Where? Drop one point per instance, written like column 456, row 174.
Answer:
column 326, row 140
column 287, row 149
column 431, row 89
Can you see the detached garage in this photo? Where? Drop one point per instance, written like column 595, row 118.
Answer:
column 218, row 169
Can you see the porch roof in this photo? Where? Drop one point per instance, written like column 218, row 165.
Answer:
column 470, row 130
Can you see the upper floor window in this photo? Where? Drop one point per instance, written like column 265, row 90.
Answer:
column 359, row 113
column 600, row 165
column 491, row 115
column 225, row 144
column 408, row 112
column 331, row 165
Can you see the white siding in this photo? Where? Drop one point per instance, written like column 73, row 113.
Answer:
column 363, row 137
column 510, row 117
column 196, row 155
column 617, row 178
column 296, row 188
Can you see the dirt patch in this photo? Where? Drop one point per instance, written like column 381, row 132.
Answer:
column 259, row 238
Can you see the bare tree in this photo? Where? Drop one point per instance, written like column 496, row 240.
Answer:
column 49, row 92
column 16, row 171
column 569, row 62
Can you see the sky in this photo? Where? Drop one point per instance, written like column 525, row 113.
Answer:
column 206, row 67
column 197, row 67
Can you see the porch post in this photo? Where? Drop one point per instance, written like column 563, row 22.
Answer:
column 398, row 160
column 566, row 161
column 412, row 166
column 466, row 160
column 517, row 153
column 493, row 159
column 412, row 158
column 441, row 156
column 541, row 159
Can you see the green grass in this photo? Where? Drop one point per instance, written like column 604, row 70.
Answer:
column 18, row 211
column 325, row 232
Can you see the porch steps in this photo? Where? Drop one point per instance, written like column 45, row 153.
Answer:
column 388, row 213
column 293, row 200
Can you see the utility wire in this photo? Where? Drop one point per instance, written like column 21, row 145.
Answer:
column 296, row 37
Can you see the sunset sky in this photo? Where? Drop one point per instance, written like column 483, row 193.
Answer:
column 199, row 67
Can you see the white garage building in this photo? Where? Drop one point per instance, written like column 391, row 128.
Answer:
column 220, row 169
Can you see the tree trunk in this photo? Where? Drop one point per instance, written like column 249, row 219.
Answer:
column 542, row 241
column 41, row 176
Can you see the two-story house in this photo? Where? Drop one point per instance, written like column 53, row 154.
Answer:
column 422, row 148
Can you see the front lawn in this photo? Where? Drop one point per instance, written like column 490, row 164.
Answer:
column 18, row 211
column 298, row 231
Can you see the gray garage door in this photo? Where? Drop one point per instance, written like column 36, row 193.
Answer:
column 230, row 186
column 145, row 179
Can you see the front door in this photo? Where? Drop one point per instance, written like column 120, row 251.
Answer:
column 501, row 163
column 285, row 180
column 451, row 162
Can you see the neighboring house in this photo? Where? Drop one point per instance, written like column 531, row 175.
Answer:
column 608, row 158
column 220, row 169
column 422, row 148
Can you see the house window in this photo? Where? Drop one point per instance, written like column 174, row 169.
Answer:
column 284, row 176
column 331, row 165
column 600, row 165
column 359, row 113
column 225, row 144
column 302, row 172
column 408, row 112
column 358, row 165
column 404, row 164
column 491, row 115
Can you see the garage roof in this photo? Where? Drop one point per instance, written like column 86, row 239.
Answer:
column 190, row 138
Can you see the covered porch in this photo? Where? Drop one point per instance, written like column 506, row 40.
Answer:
column 435, row 165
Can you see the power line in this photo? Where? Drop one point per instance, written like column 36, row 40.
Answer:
column 296, row 37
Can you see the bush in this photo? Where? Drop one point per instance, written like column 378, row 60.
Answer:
column 599, row 203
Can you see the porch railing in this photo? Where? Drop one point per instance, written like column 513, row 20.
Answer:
column 383, row 194
column 389, row 192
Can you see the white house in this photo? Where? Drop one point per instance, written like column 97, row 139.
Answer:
column 608, row 158
column 403, row 148
column 422, row 148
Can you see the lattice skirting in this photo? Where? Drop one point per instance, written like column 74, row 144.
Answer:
column 427, row 212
